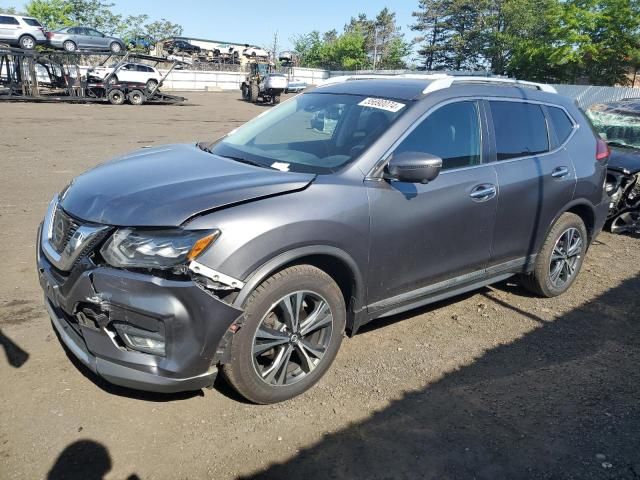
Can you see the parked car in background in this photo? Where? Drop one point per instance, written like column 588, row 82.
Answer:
column 130, row 72
column 24, row 32
column 255, row 52
column 295, row 86
column 142, row 42
column 84, row 38
column 619, row 124
column 179, row 45
column 255, row 253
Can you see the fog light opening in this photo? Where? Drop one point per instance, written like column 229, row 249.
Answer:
column 141, row 340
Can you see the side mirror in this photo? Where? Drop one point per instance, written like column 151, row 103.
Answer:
column 414, row 167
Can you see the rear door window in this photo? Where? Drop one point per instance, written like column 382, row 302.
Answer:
column 562, row 124
column 520, row 128
column 452, row 133
column 4, row 20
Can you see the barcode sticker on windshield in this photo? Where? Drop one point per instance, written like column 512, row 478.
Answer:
column 382, row 104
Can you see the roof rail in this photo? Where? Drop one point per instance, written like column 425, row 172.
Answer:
column 440, row 81
column 446, row 82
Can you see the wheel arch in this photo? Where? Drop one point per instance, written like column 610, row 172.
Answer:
column 338, row 264
column 585, row 211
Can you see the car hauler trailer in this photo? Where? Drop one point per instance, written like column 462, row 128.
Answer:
column 53, row 76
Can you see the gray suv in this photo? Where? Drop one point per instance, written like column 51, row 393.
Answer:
column 256, row 253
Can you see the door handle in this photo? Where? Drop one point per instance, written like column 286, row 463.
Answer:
column 560, row 172
column 483, row 192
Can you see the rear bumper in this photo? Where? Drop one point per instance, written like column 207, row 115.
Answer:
column 191, row 321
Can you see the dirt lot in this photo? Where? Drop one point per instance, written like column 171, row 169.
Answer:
column 494, row 384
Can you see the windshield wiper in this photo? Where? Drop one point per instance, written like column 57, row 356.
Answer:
column 244, row 160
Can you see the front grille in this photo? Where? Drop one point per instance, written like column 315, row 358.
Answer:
column 63, row 228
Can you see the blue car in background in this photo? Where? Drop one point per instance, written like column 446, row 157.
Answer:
column 141, row 43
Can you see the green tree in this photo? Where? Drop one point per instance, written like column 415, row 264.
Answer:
column 382, row 36
column 432, row 24
column 161, row 29
column 394, row 56
column 53, row 14
column 592, row 41
column 451, row 33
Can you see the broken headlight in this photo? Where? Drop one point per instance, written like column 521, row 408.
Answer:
column 133, row 248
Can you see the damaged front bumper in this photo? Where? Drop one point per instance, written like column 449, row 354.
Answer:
column 93, row 307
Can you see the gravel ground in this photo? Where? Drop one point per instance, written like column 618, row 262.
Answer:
column 493, row 384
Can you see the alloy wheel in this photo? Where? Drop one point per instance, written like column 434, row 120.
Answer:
column 28, row 43
column 292, row 338
column 565, row 257
column 626, row 222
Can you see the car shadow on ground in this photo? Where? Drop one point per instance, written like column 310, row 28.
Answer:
column 83, row 459
column 559, row 402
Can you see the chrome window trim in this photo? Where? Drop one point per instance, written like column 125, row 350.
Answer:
column 375, row 173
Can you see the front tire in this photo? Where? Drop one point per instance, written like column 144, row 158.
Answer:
column 254, row 92
column 560, row 258
column 292, row 329
column 115, row 47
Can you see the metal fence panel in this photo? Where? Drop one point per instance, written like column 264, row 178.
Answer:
column 587, row 95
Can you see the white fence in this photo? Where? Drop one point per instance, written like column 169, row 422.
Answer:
column 189, row 80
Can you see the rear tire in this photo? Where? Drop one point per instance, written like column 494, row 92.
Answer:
column 115, row 47
column 560, row 258
column 136, row 97
column 69, row 46
column 275, row 99
column 300, row 346
column 116, row 96
column 27, row 42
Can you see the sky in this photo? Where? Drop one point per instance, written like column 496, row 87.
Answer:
column 256, row 21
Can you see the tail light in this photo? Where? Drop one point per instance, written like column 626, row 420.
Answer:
column 49, row 35
column 602, row 150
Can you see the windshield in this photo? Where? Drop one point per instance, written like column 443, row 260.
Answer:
column 618, row 125
column 315, row 132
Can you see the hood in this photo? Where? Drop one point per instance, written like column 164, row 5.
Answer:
column 624, row 159
column 165, row 186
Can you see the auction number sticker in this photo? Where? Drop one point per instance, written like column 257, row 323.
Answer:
column 284, row 167
column 382, row 104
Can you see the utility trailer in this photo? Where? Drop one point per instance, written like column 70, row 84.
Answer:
column 54, row 76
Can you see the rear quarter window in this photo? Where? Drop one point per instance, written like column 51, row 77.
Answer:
column 32, row 22
column 561, row 124
column 520, row 128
